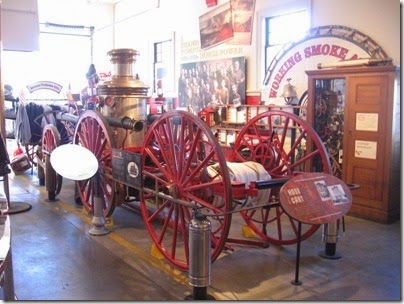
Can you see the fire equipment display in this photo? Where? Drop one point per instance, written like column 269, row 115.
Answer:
column 170, row 165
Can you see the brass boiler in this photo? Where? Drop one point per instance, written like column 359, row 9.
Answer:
column 124, row 96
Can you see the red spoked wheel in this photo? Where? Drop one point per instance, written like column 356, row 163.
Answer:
column 93, row 132
column 182, row 158
column 50, row 141
column 286, row 146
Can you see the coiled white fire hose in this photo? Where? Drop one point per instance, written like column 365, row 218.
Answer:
column 245, row 172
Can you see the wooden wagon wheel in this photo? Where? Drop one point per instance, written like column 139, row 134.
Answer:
column 286, row 146
column 93, row 132
column 50, row 141
column 178, row 156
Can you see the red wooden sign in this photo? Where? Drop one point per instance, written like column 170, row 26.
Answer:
column 315, row 198
column 210, row 3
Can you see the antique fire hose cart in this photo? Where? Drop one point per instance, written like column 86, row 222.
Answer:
column 167, row 166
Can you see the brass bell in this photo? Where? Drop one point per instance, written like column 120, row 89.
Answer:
column 289, row 92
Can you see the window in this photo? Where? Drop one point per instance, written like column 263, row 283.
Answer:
column 284, row 28
column 163, row 66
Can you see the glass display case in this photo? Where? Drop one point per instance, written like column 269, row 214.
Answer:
column 328, row 120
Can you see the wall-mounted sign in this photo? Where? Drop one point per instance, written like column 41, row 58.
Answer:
column 325, row 44
column 45, row 85
column 191, row 51
column 367, row 122
column 365, row 149
column 210, row 3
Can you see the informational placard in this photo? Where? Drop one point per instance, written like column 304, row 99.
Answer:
column 365, row 149
column 126, row 167
column 367, row 122
column 315, row 198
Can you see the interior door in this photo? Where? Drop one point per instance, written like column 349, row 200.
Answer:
column 365, row 137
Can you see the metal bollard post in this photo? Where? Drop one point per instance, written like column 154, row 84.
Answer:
column 98, row 220
column 199, row 257
column 330, row 237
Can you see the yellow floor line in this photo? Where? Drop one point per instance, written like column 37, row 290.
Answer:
column 176, row 274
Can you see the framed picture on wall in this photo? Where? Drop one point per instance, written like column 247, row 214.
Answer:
column 242, row 17
column 213, row 83
column 216, row 26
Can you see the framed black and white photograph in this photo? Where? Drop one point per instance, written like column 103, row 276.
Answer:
column 212, row 83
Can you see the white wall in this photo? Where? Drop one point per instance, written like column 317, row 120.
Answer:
column 160, row 20
column 84, row 13
column 380, row 19
column 138, row 23
column 19, row 25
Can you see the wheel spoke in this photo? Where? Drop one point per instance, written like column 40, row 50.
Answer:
column 166, row 159
column 175, row 230
column 185, row 218
column 167, row 220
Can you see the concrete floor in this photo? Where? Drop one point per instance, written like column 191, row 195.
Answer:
column 55, row 258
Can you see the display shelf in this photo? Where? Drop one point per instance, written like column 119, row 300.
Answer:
column 229, row 128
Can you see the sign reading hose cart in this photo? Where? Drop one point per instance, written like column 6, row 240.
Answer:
column 315, row 198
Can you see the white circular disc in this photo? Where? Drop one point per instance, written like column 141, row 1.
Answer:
column 74, row 162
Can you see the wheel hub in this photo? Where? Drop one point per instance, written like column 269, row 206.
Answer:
column 171, row 190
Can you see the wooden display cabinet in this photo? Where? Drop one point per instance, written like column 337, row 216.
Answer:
column 356, row 112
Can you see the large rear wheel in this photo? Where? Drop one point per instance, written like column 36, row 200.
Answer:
column 286, row 146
